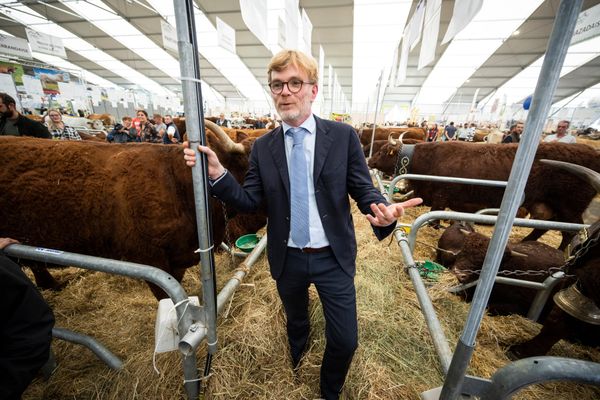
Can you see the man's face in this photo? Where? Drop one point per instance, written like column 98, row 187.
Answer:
column 293, row 108
column 168, row 120
column 562, row 128
column 5, row 111
column 127, row 123
column 158, row 120
column 519, row 128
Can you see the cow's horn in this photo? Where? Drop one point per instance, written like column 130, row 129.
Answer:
column 391, row 140
column 465, row 232
column 591, row 176
column 517, row 254
column 400, row 138
column 229, row 144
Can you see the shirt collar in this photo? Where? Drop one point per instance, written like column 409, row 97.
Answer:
column 310, row 124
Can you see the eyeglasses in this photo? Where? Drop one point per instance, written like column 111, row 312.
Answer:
column 294, row 86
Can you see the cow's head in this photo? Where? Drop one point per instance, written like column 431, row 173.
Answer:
column 385, row 159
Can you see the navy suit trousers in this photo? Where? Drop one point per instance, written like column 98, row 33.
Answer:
column 338, row 297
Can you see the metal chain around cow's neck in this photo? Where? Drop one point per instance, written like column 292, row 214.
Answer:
column 583, row 249
column 517, row 272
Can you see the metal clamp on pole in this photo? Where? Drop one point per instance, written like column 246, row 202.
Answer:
column 190, row 342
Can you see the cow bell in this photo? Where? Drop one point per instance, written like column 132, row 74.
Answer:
column 571, row 301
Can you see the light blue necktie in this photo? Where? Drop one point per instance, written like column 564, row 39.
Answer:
column 299, row 189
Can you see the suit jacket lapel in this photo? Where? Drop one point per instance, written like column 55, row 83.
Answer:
column 277, row 147
column 323, row 143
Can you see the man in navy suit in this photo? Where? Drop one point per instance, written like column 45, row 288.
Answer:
column 335, row 159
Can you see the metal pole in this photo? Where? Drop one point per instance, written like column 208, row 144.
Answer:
column 433, row 324
column 375, row 114
column 189, row 342
column 558, row 45
column 192, row 92
column 96, row 347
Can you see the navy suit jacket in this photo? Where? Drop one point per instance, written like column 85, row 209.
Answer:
column 340, row 170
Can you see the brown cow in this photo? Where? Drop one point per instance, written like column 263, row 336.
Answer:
column 550, row 194
column 570, row 315
column 130, row 202
column 524, row 256
column 107, row 119
column 383, row 133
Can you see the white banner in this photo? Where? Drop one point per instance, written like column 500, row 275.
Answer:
column 416, row 24
column 169, row 35
column 291, row 23
column 46, row 44
column 329, row 82
column 464, row 12
column 254, row 14
column 281, row 32
column 225, row 36
column 66, row 90
column 96, row 95
column 431, row 28
column 403, row 64
column 7, row 85
column 307, row 32
column 14, row 46
column 588, row 25
column 33, row 85
column 392, row 77
column 321, row 67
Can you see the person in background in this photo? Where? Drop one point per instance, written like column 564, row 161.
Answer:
column 58, row 129
column 471, row 133
column 310, row 223
column 25, row 330
column 514, row 135
column 432, row 133
column 146, row 132
column 223, row 122
column 123, row 133
column 260, row 123
column 463, row 132
column 159, row 125
column 172, row 133
column 562, row 134
column 12, row 123
column 449, row 132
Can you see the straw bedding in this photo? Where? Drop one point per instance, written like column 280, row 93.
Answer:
column 395, row 358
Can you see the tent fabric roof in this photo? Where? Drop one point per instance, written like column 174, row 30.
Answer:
column 333, row 23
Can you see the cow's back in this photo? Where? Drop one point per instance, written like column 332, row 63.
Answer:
column 120, row 201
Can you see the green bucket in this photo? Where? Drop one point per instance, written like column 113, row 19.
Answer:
column 247, row 243
column 431, row 270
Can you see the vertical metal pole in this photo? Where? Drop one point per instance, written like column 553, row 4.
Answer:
column 558, row 45
column 375, row 115
column 192, row 92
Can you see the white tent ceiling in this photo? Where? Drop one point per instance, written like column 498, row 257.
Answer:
column 335, row 26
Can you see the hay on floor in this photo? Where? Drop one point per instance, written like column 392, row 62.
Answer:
column 395, row 358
